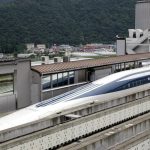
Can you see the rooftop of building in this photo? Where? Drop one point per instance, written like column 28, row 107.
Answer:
column 83, row 64
column 7, row 59
column 10, row 60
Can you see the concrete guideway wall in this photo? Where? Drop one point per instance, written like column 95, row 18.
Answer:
column 128, row 135
column 145, row 145
column 73, row 130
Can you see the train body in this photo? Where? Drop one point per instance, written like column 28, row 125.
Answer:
column 79, row 96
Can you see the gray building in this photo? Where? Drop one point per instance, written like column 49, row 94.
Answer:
column 121, row 46
column 142, row 14
column 15, row 84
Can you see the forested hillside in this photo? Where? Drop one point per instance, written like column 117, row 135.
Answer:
column 63, row 21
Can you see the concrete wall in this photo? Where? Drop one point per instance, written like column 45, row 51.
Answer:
column 22, row 85
column 82, row 76
column 142, row 15
column 143, row 48
column 35, row 87
column 121, row 46
column 7, row 103
column 100, row 73
column 120, row 138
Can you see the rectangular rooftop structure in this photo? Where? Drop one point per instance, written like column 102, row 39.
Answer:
column 83, row 64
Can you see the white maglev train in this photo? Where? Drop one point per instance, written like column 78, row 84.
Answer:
column 112, row 83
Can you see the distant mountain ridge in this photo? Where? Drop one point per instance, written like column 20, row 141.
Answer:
column 63, row 21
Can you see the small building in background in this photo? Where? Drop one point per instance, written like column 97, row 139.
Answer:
column 65, row 48
column 41, row 46
column 30, row 46
column 1, row 55
column 26, row 55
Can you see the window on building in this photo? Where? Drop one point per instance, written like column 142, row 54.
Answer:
column 58, row 80
column 46, row 82
column 54, row 80
column 65, row 78
column 6, row 83
column 71, row 77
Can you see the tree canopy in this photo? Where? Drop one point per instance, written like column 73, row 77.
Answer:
column 63, row 21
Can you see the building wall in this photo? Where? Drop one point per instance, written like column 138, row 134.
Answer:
column 23, row 84
column 7, row 103
column 35, row 87
column 102, row 73
column 35, row 94
column 121, row 46
column 82, row 76
column 143, row 48
column 5, row 68
column 142, row 15
column 21, row 97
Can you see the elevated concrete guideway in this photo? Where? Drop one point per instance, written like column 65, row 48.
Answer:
column 121, row 137
column 120, row 117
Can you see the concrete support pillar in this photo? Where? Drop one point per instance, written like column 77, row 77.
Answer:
column 124, row 66
column 15, row 87
column 121, row 46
